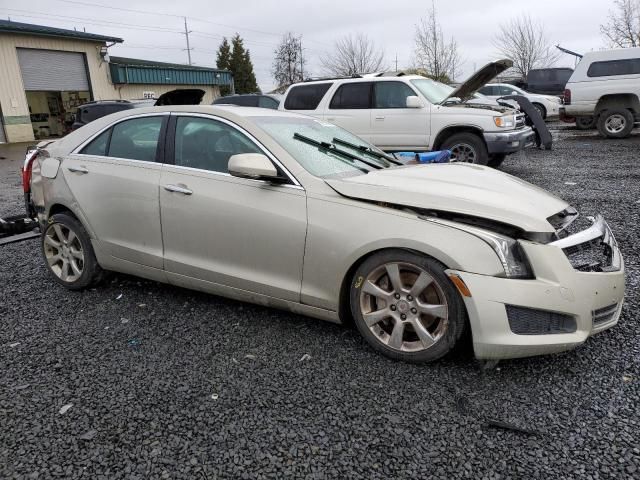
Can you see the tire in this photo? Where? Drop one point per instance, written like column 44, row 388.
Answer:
column 68, row 253
column 396, row 324
column 585, row 123
column 469, row 145
column 541, row 110
column 615, row 123
column 496, row 159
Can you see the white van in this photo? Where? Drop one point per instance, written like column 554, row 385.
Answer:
column 605, row 90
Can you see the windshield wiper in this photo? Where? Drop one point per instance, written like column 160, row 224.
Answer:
column 368, row 150
column 332, row 148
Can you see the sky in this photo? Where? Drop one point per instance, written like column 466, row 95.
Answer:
column 155, row 30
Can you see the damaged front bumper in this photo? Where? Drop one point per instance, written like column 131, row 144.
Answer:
column 568, row 300
column 509, row 142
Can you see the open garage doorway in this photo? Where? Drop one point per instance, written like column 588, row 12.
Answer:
column 55, row 83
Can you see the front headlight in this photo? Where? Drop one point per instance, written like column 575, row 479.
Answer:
column 505, row 121
column 509, row 251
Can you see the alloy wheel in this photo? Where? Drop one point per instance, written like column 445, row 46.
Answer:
column 63, row 252
column 463, row 152
column 615, row 123
column 404, row 307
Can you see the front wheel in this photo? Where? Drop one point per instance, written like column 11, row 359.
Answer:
column 615, row 123
column 68, row 253
column 585, row 123
column 405, row 306
column 466, row 147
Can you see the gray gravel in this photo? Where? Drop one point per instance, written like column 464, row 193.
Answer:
column 169, row 383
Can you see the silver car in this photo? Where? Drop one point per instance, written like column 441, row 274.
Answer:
column 292, row 212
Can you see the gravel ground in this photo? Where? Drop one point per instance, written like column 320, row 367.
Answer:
column 168, row 383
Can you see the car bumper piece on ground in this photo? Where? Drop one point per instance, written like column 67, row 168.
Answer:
column 509, row 142
column 556, row 311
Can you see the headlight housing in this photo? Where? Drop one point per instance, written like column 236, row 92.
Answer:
column 505, row 121
column 513, row 259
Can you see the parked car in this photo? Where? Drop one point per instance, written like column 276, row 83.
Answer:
column 604, row 91
column 91, row 111
column 250, row 100
column 548, row 81
column 294, row 212
column 547, row 105
column 414, row 113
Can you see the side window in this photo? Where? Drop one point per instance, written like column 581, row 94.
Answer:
column 245, row 101
column 267, row 102
column 352, row 95
column 208, row 144
column 306, row 97
column 504, row 90
column 486, row 90
column 392, row 94
column 136, row 139
column 98, row 145
column 630, row 66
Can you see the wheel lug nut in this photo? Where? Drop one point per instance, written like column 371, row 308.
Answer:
column 413, row 310
column 403, row 316
column 409, row 297
column 397, row 296
column 393, row 308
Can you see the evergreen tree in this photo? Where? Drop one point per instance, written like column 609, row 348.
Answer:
column 241, row 67
column 223, row 59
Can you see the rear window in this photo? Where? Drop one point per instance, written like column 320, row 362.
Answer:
column 352, row 95
column 549, row 75
column 609, row 68
column 306, row 97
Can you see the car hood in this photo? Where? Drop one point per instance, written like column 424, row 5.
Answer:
column 458, row 188
column 479, row 79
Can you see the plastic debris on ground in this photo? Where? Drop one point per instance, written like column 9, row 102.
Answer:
column 214, row 396
column 65, row 408
column 124, row 320
column 439, row 156
column 570, row 183
column 305, row 357
column 14, row 344
column 119, row 297
column 134, row 342
column 250, row 356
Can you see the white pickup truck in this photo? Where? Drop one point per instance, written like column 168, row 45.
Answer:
column 414, row 113
column 604, row 91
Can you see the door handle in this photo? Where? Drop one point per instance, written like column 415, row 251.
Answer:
column 78, row 169
column 379, row 118
column 177, row 189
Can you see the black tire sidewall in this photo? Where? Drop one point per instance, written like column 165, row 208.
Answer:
column 91, row 268
column 457, row 310
column 471, row 139
column 541, row 110
column 584, row 126
column 628, row 116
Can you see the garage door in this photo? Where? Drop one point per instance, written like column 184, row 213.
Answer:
column 53, row 70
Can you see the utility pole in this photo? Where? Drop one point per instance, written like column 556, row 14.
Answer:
column 186, row 33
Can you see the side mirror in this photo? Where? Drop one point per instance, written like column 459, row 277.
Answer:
column 414, row 102
column 513, row 92
column 253, row 165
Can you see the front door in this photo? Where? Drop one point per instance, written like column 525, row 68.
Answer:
column 114, row 179
column 394, row 125
column 229, row 231
column 350, row 108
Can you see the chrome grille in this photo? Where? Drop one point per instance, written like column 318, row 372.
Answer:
column 604, row 315
column 593, row 256
column 520, row 120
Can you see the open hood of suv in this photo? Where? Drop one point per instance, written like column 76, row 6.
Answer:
column 187, row 96
column 479, row 79
column 458, row 188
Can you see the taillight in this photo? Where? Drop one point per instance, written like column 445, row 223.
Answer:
column 567, row 96
column 26, row 169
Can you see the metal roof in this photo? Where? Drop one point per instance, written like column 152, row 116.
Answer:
column 8, row 26
column 135, row 71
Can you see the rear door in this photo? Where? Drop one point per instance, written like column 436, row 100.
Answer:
column 350, row 108
column 235, row 232
column 114, row 178
column 393, row 124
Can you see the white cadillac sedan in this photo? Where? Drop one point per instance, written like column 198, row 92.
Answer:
column 291, row 212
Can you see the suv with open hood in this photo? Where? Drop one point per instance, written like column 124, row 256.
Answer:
column 411, row 112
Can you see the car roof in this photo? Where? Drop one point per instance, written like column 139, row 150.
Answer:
column 361, row 79
column 222, row 110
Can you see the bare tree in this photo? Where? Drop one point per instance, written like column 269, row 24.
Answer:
column 524, row 41
column 353, row 55
column 440, row 58
column 288, row 64
column 623, row 28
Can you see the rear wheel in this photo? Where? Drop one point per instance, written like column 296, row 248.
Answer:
column 466, row 147
column 585, row 123
column 68, row 253
column 615, row 123
column 541, row 110
column 405, row 306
